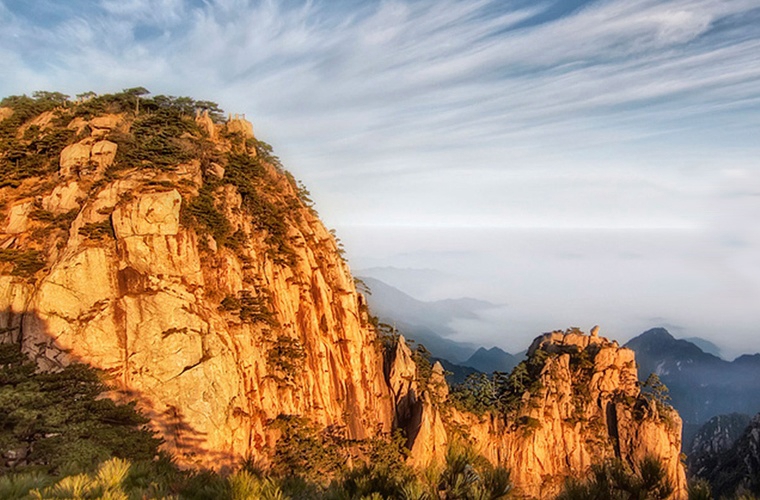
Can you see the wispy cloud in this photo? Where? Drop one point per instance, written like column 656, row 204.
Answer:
column 402, row 88
column 615, row 114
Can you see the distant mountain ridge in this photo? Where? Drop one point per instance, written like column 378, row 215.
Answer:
column 706, row 346
column 425, row 322
column 701, row 385
column 492, row 360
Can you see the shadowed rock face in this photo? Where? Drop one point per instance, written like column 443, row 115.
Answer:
column 726, row 452
column 214, row 296
column 714, row 438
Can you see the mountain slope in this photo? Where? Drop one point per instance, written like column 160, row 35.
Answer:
column 492, row 360
column 426, row 322
column 174, row 252
column 701, row 385
column 154, row 240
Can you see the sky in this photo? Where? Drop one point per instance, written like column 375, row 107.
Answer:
column 576, row 162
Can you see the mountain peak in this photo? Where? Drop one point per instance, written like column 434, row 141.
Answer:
column 658, row 333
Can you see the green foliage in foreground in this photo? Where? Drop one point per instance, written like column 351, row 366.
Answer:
column 54, row 422
column 60, row 439
column 615, row 480
column 465, row 476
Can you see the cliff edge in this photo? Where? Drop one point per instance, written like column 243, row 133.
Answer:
column 154, row 239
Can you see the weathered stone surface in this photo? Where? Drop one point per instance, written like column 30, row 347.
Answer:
column 150, row 213
column 206, row 123
column 430, row 440
column 439, row 389
column 64, row 198
column 403, row 381
column 77, row 124
column 103, row 154
column 14, row 297
column 102, row 125
column 85, row 156
column 42, row 121
column 17, row 220
column 75, row 156
column 216, row 170
column 239, row 125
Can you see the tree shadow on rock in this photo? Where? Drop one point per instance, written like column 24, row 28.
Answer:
column 187, row 445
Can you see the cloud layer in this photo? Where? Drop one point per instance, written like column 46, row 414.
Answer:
column 561, row 114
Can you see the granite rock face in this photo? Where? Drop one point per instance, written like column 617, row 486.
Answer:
column 195, row 273
column 584, row 406
column 214, row 340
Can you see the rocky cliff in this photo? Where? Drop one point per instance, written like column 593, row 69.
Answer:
column 728, row 456
column 573, row 403
column 174, row 253
column 155, row 240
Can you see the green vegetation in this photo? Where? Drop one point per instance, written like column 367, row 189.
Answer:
column 35, row 153
column 54, row 423
column 614, row 479
column 163, row 134
column 98, row 230
column 25, row 262
column 468, row 475
column 201, row 212
column 284, row 358
column 250, row 308
column 500, row 392
column 655, row 391
column 159, row 135
column 269, row 214
column 58, row 221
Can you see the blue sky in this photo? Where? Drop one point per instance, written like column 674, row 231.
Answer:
column 637, row 116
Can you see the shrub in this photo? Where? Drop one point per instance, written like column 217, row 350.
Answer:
column 25, row 262
column 614, row 479
column 98, row 230
column 304, row 452
column 250, row 308
column 284, row 358
column 58, row 421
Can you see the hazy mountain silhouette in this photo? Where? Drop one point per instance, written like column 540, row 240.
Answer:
column 415, row 282
column 701, row 385
column 426, row 323
column 492, row 360
column 705, row 345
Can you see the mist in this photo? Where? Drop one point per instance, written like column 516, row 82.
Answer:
column 627, row 281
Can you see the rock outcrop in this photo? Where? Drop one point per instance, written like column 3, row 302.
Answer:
column 215, row 338
column 729, row 457
column 190, row 267
column 580, row 405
